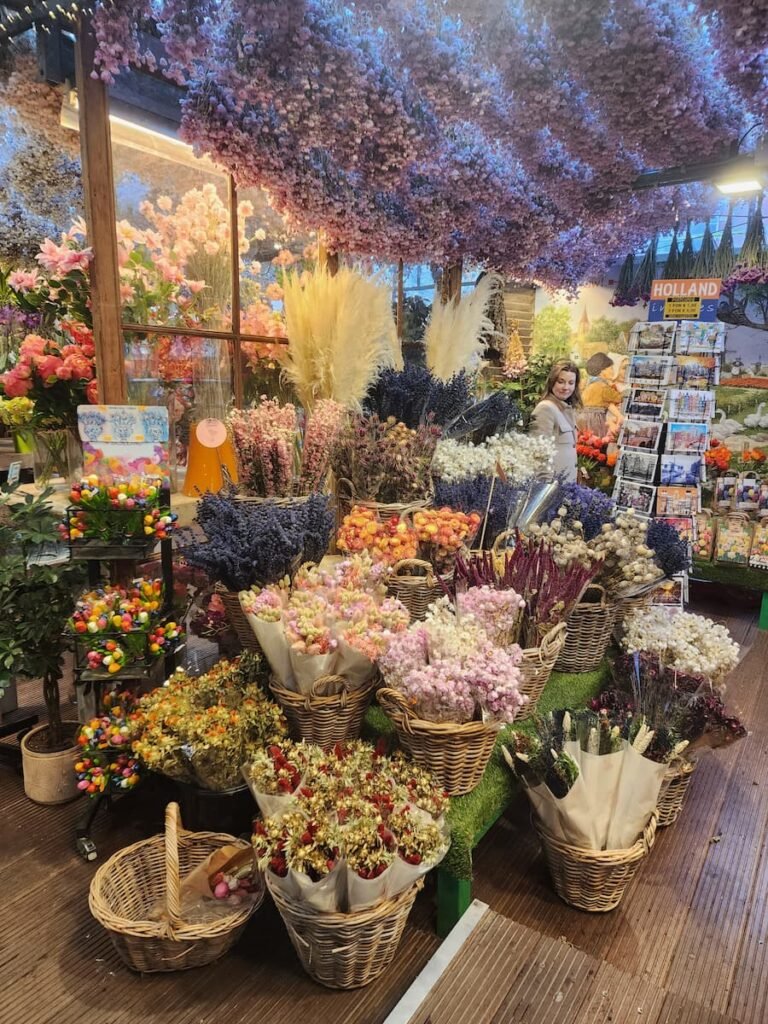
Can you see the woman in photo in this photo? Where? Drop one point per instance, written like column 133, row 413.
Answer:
column 555, row 416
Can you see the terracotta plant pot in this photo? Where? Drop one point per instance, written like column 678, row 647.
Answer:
column 50, row 778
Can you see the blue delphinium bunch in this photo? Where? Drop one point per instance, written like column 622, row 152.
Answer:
column 472, row 496
column 413, row 396
column 670, row 549
column 250, row 543
column 591, row 508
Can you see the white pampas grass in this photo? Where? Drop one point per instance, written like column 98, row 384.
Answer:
column 454, row 335
column 341, row 332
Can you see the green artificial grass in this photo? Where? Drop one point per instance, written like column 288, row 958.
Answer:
column 735, row 575
column 471, row 816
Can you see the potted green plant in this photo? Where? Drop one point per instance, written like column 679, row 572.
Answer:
column 35, row 599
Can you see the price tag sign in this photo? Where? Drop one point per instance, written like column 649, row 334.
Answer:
column 14, row 473
column 682, row 309
column 211, row 433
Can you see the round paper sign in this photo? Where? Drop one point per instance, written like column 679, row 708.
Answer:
column 211, row 433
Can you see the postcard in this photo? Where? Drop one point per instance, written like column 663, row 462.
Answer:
column 688, row 438
column 636, row 465
column 693, row 336
column 653, row 338
column 672, row 593
column 641, row 434
column 647, row 402
column 658, row 370
column 691, row 404
column 762, row 499
column 682, row 470
column 678, row 501
column 698, row 371
column 629, row 494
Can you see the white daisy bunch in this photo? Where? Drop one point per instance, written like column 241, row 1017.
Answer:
column 683, row 641
column 520, row 457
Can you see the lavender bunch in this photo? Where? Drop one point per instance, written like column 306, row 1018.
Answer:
column 472, row 496
column 496, row 414
column 670, row 550
column 414, row 396
column 582, row 507
column 247, row 543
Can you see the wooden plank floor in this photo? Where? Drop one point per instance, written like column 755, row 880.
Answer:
column 691, row 929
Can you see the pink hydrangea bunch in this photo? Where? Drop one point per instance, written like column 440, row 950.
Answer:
column 497, row 611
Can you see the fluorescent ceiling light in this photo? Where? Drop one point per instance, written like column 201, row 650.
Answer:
column 737, row 186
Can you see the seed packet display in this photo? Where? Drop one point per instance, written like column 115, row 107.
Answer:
column 647, row 403
column 694, row 337
column 698, row 371
column 640, row 434
column 678, row 501
column 747, row 493
column 637, row 465
column 725, row 490
column 762, row 499
column 734, row 540
column 704, row 541
column 651, row 370
column 691, row 404
column 682, row 470
column 687, row 438
column 653, row 338
column 758, row 556
column 631, row 495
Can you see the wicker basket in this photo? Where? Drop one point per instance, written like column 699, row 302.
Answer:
column 346, row 499
column 457, row 755
column 594, row 880
column 237, row 618
column 345, row 950
column 590, row 626
column 674, row 790
column 127, row 890
column 325, row 717
column 536, row 668
column 416, row 589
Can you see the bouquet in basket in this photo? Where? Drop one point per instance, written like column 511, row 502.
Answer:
column 460, row 665
column 200, row 730
column 684, row 642
column 347, row 829
column 282, row 453
column 593, row 779
column 328, row 623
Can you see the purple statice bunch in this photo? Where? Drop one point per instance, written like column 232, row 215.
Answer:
column 247, row 543
column 413, row 396
column 471, row 495
column 583, row 505
column 498, row 413
column 672, row 552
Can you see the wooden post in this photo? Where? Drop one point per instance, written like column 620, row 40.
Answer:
column 98, row 189
column 327, row 260
column 237, row 361
column 450, row 282
column 400, row 298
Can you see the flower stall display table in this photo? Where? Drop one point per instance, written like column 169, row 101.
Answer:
column 471, row 816
column 736, row 576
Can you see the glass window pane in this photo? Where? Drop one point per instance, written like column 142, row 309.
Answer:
column 173, row 233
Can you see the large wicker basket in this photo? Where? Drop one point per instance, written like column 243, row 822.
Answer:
column 237, row 618
column 457, row 755
column 674, row 789
column 345, row 950
column 127, row 890
column 594, row 880
column 590, row 626
column 536, row 668
column 325, row 717
column 414, row 583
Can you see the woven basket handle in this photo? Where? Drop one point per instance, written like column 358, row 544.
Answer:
column 348, row 486
column 553, row 640
column 173, row 827
column 414, row 563
column 394, row 702
column 649, row 833
column 596, row 587
column 502, row 537
column 318, row 689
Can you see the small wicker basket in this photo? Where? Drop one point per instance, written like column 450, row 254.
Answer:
column 457, row 755
column 594, row 880
column 590, row 626
column 674, row 789
column 127, row 890
column 330, row 714
column 237, row 618
column 536, row 668
column 346, row 499
column 345, row 950
column 413, row 582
